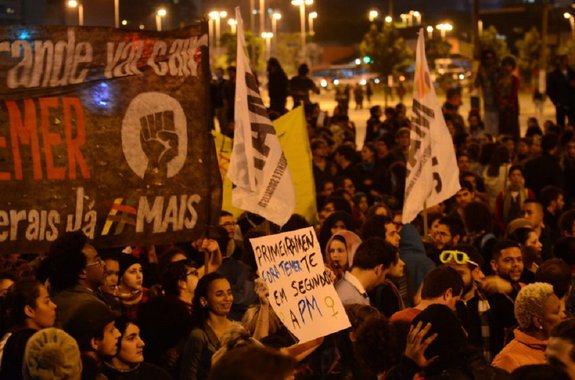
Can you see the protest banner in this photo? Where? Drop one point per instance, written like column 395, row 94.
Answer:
column 432, row 171
column 105, row 131
column 301, row 292
column 258, row 168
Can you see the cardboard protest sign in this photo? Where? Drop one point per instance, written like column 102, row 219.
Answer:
column 106, row 131
column 301, row 291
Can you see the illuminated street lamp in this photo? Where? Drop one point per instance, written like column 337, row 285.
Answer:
column 262, row 11
column 276, row 16
column 233, row 25
column 268, row 37
column 217, row 16
column 373, row 15
column 301, row 4
column 312, row 16
column 80, row 6
column 569, row 16
column 429, row 32
column 444, row 28
column 160, row 14
column 388, row 19
column 404, row 18
column 417, row 16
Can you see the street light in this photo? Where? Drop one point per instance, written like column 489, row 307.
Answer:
column 429, row 32
column 80, row 6
column 233, row 25
column 417, row 16
column 116, row 13
column 276, row 16
column 444, row 28
column 373, row 15
column 404, row 17
column 161, row 13
column 268, row 37
column 217, row 16
column 262, row 11
column 388, row 19
column 301, row 4
column 569, row 16
column 312, row 16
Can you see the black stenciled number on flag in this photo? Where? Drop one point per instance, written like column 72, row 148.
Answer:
column 436, row 176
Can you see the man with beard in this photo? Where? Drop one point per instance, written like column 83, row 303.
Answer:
column 507, row 264
column 473, row 308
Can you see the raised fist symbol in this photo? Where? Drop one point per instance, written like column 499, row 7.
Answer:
column 159, row 142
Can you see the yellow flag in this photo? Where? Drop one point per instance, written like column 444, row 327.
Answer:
column 224, row 146
column 292, row 132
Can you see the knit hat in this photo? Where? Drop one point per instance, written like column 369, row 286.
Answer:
column 451, row 338
column 87, row 322
column 51, row 354
column 125, row 262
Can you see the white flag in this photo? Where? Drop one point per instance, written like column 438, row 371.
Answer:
column 432, row 172
column 258, row 167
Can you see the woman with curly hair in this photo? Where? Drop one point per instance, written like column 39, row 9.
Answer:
column 537, row 310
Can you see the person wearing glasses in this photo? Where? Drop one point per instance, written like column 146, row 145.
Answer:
column 75, row 272
column 473, row 308
column 443, row 285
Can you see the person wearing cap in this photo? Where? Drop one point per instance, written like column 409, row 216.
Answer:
column 75, row 272
column 131, row 285
column 52, row 354
column 93, row 327
column 442, row 285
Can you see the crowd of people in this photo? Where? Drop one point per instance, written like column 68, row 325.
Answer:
column 481, row 288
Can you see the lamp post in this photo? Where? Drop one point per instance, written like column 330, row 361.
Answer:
column 301, row 4
column 569, row 16
column 404, row 18
column 161, row 13
column 388, row 19
column 80, row 6
column 444, row 28
column 216, row 17
column 276, row 16
column 417, row 16
column 373, row 15
column 262, row 13
column 312, row 16
column 233, row 25
column 429, row 32
column 116, row 13
column 268, row 37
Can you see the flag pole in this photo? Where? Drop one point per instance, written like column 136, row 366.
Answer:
column 425, row 228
